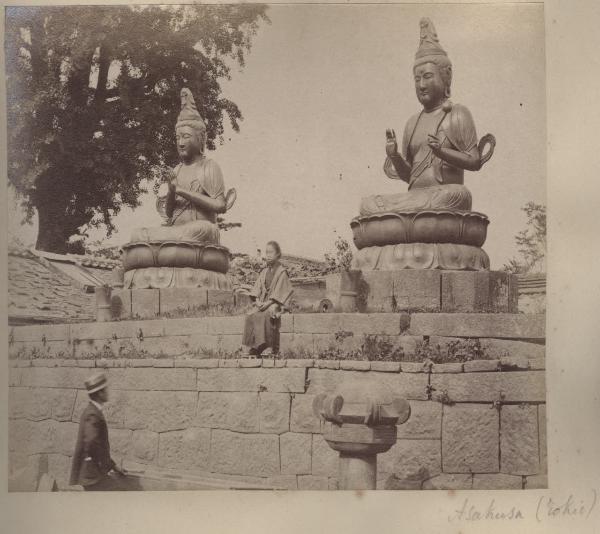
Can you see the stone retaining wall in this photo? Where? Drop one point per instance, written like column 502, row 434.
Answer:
column 478, row 424
column 516, row 335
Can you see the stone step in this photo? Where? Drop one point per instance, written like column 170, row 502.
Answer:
column 156, row 479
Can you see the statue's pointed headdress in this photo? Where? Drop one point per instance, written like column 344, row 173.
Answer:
column 189, row 111
column 429, row 45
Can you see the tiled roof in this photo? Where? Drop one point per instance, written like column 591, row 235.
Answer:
column 38, row 292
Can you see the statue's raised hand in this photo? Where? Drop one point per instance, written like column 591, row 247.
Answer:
column 391, row 146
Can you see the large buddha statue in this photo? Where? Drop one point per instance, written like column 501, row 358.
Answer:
column 185, row 250
column 430, row 225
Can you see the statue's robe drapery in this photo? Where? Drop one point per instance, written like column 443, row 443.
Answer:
column 189, row 222
column 433, row 184
column 261, row 330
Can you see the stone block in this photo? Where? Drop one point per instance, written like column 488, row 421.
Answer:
column 510, row 363
column 327, row 364
column 144, row 446
column 386, row 481
column 244, row 454
column 536, row 482
column 120, row 301
column 145, row 303
column 300, row 362
column 274, row 412
column 184, row 449
column 491, row 325
column 448, row 482
column 225, row 325
column 412, row 460
column 497, row 481
column 317, row 323
column 205, row 346
column 302, row 418
column 417, row 289
column 151, row 379
column 272, row 362
column 150, row 328
column 375, row 323
column 59, row 467
column 385, row 367
column 180, row 299
column 250, row 362
column 519, row 446
column 27, row 476
column 378, row 292
column 466, row 291
column 479, row 366
column 230, row 344
column 273, row 380
column 332, row 287
column 287, row 324
column 425, row 421
column 542, row 430
column 355, row 365
column 159, row 411
column 516, row 386
column 288, row 482
column 312, row 483
column 478, row 454
column 220, row 297
column 509, row 348
column 231, row 411
column 325, row 461
column 414, row 367
column 38, row 332
column 39, row 377
column 186, row 327
column 46, row 403
column 343, row 343
column 454, row 367
column 296, row 453
column 479, row 291
column 298, row 344
column 406, row 385
column 200, row 363
column 120, row 443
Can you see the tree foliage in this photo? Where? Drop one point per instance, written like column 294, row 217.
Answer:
column 531, row 241
column 93, row 96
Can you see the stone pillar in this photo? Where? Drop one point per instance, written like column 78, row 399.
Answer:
column 103, row 304
column 360, row 424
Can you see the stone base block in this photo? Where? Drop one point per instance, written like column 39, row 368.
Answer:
column 480, row 291
column 180, row 299
column 432, row 290
column 172, row 301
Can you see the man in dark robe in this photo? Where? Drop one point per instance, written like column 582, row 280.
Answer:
column 271, row 293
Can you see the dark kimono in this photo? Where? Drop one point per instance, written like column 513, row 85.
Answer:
column 261, row 329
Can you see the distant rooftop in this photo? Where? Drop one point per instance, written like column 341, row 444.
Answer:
column 53, row 288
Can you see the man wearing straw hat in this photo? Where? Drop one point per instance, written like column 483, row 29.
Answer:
column 91, row 461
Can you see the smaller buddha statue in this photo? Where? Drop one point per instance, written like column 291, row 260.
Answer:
column 439, row 142
column 195, row 192
column 185, row 251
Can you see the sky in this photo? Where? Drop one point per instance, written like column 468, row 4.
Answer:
column 320, row 87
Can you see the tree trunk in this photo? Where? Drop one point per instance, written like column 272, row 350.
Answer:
column 54, row 231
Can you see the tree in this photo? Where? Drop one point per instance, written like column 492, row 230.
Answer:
column 93, row 96
column 531, row 241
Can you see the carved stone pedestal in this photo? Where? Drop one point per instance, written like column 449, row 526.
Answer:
column 360, row 424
